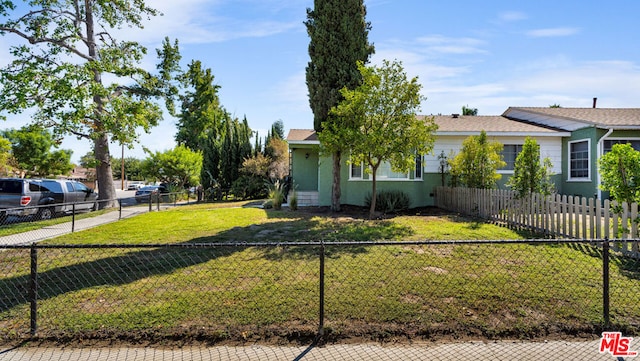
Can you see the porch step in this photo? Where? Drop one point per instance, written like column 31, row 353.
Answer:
column 307, row 198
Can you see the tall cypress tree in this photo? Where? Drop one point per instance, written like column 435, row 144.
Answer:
column 338, row 35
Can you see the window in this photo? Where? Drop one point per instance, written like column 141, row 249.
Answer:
column 385, row 172
column 608, row 144
column 509, row 154
column 356, row 171
column 418, row 173
column 579, row 159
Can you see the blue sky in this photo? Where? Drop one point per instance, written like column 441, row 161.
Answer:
column 485, row 54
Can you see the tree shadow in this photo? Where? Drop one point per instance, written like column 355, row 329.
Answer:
column 143, row 261
column 629, row 267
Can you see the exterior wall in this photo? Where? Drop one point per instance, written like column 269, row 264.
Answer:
column 421, row 191
column 583, row 187
column 305, row 169
column 451, row 145
column 325, row 180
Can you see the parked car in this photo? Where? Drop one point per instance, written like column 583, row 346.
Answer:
column 143, row 194
column 44, row 198
column 134, row 186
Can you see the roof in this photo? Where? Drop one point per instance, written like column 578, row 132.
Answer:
column 302, row 136
column 576, row 118
column 492, row 125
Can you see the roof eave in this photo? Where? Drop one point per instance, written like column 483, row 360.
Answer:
column 505, row 134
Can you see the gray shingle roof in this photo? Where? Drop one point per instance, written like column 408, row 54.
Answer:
column 490, row 124
column 302, row 135
column 604, row 117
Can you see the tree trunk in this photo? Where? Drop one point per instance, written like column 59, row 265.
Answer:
column 372, row 208
column 335, row 191
column 106, row 188
column 104, row 173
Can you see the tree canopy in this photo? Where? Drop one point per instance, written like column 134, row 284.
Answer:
column 35, row 152
column 466, row 110
column 61, row 69
column 383, row 126
column 620, row 173
column 530, row 175
column 201, row 113
column 179, row 166
column 338, row 34
column 477, row 163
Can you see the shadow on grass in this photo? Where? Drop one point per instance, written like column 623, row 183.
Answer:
column 137, row 263
column 629, row 267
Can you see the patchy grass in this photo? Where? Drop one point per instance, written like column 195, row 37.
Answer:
column 270, row 294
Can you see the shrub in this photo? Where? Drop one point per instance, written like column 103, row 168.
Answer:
column 293, row 200
column 249, row 187
column 390, row 201
column 276, row 194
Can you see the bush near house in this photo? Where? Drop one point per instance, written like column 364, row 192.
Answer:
column 390, row 201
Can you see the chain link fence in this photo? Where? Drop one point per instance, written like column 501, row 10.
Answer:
column 383, row 300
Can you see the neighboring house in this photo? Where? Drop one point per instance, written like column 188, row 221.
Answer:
column 573, row 138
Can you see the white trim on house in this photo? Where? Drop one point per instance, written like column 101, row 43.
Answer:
column 589, row 172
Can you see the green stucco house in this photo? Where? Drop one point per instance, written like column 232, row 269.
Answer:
column 573, row 138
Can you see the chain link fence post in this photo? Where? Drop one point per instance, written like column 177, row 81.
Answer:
column 33, row 290
column 605, row 282
column 73, row 217
column 321, row 292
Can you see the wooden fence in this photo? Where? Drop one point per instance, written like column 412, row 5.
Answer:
column 556, row 215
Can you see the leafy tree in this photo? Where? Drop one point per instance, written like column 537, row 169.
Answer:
column 469, row 111
column 253, row 178
column 529, row 174
column 179, row 166
column 278, row 155
column 620, row 173
column 34, row 150
column 201, row 114
column 225, row 153
column 61, row 69
column 555, row 106
column 384, row 123
column 88, row 160
column 338, row 35
column 7, row 162
column 132, row 168
column 477, row 163
column 277, row 131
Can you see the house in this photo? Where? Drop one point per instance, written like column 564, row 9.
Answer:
column 573, row 138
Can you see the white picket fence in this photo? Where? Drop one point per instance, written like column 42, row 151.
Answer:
column 556, row 215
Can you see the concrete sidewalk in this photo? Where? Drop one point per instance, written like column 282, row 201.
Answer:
column 64, row 228
column 501, row 350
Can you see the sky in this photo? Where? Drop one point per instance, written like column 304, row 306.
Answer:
column 488, row 55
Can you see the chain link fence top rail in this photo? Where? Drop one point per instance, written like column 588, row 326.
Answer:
column 388, row 292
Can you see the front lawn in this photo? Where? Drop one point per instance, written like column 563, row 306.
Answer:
column 439, row 289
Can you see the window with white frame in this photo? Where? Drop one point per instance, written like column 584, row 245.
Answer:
column 509, row 154
column 608, row 144
column 579, row 159
column 355, row 171
column 385, row 172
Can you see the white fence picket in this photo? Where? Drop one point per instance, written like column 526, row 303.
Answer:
column 555, row 215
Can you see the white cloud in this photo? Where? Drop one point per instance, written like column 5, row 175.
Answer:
column 447, row 45
column 512, row 16
column 552, row 32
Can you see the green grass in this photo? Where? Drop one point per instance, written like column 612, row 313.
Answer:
column 431, row 291
column 25, row 226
